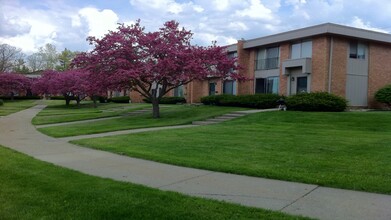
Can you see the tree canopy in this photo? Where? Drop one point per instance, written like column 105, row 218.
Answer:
column 73, row 84
column 12, row 83
column 153, row 63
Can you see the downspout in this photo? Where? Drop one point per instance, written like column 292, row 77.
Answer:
column 331, row 62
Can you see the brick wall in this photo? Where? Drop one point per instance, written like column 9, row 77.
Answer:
column 284, row 55
column 379, row 70
column 246, row 60
column 339, row 66
column 320, row 64
column 136, row 97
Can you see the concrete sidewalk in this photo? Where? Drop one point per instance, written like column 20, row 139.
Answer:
column 16, row 132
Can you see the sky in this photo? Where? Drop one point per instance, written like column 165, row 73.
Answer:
column 30, row 24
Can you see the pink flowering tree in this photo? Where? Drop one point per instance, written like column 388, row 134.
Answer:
column 153, row 63
column 73, row 84
column 13, row 83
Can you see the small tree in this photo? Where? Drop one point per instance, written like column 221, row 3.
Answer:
column 383, row 95
column 12, row 83
column 154, row 63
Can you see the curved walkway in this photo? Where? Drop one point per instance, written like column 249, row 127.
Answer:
column 16, row 132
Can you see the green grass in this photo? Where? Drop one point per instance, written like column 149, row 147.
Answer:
column 31, row 189
column 170, row 115
column 10, row 107
column 57, row 112
column 350, row 150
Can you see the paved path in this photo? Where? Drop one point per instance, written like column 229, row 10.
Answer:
column 16, row 132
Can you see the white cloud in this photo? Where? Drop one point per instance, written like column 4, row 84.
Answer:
column 359, row 23
column 238, row 26
column 256, row 10
column 99, row 21
column 208, row 38
column 170, row 6
column 198, row 8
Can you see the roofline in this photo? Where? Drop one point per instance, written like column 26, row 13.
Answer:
column 322, row 29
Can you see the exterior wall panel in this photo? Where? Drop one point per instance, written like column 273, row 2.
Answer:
column 356, row 90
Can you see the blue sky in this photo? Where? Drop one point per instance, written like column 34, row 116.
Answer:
column 30, row 24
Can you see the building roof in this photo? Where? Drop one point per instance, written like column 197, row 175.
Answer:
column 322, row 29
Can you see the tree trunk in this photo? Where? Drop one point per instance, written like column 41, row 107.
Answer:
column 78, row 102
column 155, row 108
column 67, row 101
column 94, row 99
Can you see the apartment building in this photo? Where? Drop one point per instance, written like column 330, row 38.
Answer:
column 349, row 62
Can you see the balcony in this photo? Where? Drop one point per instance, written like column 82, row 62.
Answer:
column 304, row 63
column 267, row 64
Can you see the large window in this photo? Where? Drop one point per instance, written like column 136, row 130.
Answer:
column 267, row 85
column 357, row 50
column 267, row 58
column 229, row 87
column 301, row 50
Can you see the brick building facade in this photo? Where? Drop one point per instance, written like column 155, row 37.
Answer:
column 349, row 62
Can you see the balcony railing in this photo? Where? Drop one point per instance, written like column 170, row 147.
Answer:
column 267, row 64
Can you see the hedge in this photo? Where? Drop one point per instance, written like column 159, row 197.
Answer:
column 19, row 97
column 168, row 100
column 58, row 97
column 383, row 95
column 1, row 102
column 316, row 101
column 260, row 101
column 119, row 99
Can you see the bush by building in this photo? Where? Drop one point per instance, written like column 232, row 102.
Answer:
column 383, row 95
column 120, row 99
column 316, row 101
column 169, row 100
column 260, row 101
column 19, row 97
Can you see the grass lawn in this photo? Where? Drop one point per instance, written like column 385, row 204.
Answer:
column 57, row 111
column 31, row 189
column 170, row 115
column 350, row 150
column 10, row 107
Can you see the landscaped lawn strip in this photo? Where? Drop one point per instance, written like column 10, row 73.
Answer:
column 170, row 115
column 31, row 189
column 10, row 107
column 350, row 150
column 58, row 112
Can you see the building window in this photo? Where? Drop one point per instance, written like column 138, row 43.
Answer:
column 357, row 50
column 301, row 84
column 212, row 88
column 267, row 85
column 267, row 58
column 301, row 50
column 229, row 87
column 178, row 91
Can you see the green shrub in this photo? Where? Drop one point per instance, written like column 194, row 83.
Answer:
column 260, row 101
column 20, row 97
column 57, row 97
column 214, row 99
column 1, row 102
column 120, row 99
column 383, row 95
column 102, row 99
column 169, row 100
column 317, row 101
